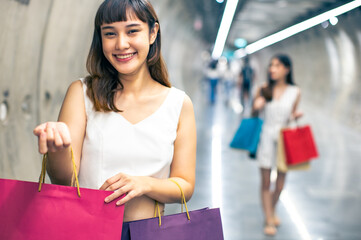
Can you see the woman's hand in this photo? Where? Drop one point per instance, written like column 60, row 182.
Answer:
column 297, row 115
column 52, row 136
column 124, row 184
column 259, row 103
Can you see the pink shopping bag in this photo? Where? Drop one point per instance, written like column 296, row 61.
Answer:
column 56, row 213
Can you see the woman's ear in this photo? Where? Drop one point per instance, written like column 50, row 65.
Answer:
column 154, row 33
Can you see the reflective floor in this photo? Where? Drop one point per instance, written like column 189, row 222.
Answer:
column 323, row 203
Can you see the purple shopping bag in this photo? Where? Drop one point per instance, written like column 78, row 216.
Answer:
column 204, row 224
column 56, row 212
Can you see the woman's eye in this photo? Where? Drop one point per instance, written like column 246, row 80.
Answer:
column 133, row 31
column 109, row 34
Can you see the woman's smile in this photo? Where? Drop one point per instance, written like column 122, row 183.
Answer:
column 124, row 57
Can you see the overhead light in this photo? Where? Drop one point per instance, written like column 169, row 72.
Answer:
column 325, row 24
column 220, row 1
column 290, row 31
column 333, row 21
column 240, row 43
column 223, row 31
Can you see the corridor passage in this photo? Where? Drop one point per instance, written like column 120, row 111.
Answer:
column 321, row 203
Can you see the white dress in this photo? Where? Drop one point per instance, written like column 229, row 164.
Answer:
column 277, row 114
column 113, row 145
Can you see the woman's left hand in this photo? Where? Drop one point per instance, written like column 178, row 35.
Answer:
column 121, row 184
column 297, row 115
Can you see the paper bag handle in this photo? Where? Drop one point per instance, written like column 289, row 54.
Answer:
column 43, row 172
column 183, row 201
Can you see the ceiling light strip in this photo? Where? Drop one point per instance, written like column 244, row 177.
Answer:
column 223, row 31
column 288, row 32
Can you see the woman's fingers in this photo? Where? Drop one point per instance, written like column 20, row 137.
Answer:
column 52, row 136
column 58, row 141
column 126, row 198
column 39, row 129
column 118, row 189
column 108, row 183
column 121, row 184
column 128, row 195
column 64, row 134
column 43, row 145
column 115, row 195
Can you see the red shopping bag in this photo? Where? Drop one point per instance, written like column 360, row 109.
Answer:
column 299, row 145
column 56, row 212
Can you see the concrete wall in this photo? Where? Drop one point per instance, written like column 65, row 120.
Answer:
column 44, row 45
column 43, row 48
column 326, row 67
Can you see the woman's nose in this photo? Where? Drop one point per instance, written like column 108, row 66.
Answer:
column 122, row 43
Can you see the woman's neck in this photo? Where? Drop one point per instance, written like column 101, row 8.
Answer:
column 136, row 83
column 281, row 83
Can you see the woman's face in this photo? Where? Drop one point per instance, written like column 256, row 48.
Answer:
column 126, row 44
column 277, row 70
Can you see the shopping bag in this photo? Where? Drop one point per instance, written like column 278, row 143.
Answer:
column 299, row 145
column 56, row 212
column 247, row 135
column 281, row 159
column 203, row 224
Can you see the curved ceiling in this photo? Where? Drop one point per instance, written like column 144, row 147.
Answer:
column 256, row 19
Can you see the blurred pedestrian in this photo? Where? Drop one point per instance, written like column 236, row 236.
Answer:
column 278, row 100
column 213, row 76
column 228, row 83
column 246, row 82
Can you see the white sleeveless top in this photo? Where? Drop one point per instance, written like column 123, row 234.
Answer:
column 113, row 145
column 277, row 114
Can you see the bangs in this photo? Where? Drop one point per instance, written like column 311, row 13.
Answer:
column 119, row 11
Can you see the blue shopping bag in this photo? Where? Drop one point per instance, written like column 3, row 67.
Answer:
column 247, row 135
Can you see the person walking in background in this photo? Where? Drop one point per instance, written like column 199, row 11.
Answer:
column 228, row 83
column 212, row 76
column 278, row 100
column 246, row 82
column 129, row 129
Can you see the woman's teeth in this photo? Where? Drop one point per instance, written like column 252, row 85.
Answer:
column 124, row 56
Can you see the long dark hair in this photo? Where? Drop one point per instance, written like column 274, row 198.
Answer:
column 103, row 81
column 267, row 91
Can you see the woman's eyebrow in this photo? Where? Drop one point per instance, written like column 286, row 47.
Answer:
column 107, row 27
column 133, row 25
column 128, row 26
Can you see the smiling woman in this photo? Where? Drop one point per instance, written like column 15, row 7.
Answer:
column 114, row 23
column 126, row 45
column 130, row 131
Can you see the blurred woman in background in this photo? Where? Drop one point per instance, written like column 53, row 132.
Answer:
column 278, row 100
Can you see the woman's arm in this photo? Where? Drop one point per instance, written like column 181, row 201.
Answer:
column 55, row 138
column 182, row 168
column 259, row 101
column 184, row 161
column 295, row 113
